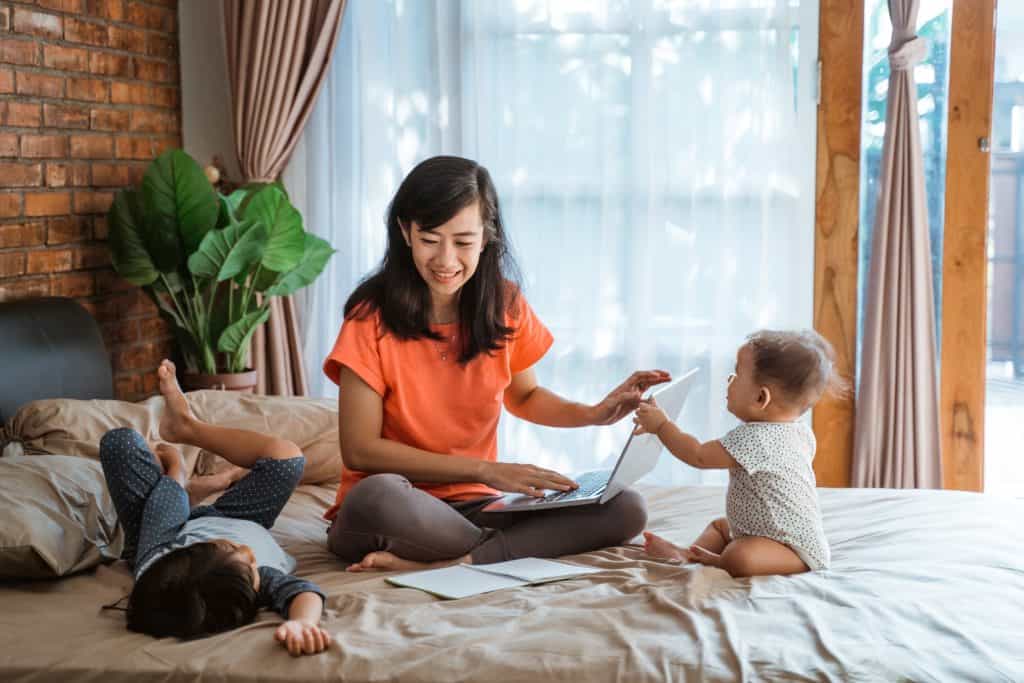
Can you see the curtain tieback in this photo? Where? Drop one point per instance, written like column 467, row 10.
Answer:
column 260, row 180
column 904, row 57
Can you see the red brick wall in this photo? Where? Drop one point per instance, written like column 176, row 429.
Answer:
column 89, row 93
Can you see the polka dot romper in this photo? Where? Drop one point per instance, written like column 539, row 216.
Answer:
column 772, row 490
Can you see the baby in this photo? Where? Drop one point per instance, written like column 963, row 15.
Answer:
column 773, row 522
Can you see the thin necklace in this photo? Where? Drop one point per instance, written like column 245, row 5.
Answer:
column 444, row 348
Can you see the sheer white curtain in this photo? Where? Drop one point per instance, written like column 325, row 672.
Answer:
column 655, row 163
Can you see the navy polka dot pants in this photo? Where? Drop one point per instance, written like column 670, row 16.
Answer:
column 152, row 507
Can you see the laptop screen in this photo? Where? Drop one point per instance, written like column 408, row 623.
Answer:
column 641, row 452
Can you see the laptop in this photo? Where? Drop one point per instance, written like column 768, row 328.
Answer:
column 638, row 457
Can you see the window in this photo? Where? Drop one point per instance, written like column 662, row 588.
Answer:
column 655, row 164
column 932, row 77
column 1004, row 386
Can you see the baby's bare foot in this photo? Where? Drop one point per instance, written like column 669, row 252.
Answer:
column 695, row 553
column 176, row 422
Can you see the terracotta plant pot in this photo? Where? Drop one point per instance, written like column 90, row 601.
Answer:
column 244, row 382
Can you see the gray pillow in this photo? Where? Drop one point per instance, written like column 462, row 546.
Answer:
column 57, row 517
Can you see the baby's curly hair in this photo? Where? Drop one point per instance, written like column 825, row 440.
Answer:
column 800, row 364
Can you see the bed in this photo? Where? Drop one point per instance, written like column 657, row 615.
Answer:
column 925, row 585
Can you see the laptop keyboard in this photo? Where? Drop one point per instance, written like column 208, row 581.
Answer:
column 591, row 484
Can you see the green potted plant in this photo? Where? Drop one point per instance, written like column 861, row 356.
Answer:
column 211, row 262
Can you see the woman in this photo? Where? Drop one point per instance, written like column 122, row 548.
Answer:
column 432, row 345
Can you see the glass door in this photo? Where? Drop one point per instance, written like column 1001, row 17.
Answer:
column 1004, row 385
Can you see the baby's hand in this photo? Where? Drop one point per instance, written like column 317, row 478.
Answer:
column 302, row 637
column 649, row 417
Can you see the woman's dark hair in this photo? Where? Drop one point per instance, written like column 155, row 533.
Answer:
column 800, row 364
column 430, row 196
column 195, row 591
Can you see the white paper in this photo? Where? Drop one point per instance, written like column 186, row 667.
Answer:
column 464, row 580
column 458, row 581
column 533, row 569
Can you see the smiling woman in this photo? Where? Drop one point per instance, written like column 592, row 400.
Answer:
column 419, row 437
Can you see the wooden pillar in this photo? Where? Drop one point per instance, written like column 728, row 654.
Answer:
column 965, row 267
column 837, row 214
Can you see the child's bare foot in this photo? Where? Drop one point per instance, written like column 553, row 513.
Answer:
column 382, row 560
column 702, row 555
column 176, row 422
column 202, row 487
column 659, row 548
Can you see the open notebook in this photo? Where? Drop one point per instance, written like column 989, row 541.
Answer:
column 464, row 580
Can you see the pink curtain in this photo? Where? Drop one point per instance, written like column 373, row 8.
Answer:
column 896, row 440
column 278, row 55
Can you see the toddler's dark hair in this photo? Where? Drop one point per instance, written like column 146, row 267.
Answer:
column 800, row 364
column 198, row 590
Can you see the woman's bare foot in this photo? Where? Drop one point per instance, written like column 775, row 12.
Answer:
column 176, row 422
column 659, row 548
column 382, row 560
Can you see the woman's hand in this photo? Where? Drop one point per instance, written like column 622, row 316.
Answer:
column 625, row 398
column 649, row 418
column 302, row 637
column 528, row 479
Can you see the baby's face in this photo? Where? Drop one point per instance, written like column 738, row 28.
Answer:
column 742, row 393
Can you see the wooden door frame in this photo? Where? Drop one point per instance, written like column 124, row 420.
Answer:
column 836, row 218
column 837, row 215
column 965, row 234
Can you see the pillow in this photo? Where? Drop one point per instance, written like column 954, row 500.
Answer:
column 74, row 427
column 311, row 423
column 57, row 517
column 66, row 426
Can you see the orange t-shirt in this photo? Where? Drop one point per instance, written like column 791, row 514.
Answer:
column 436, row 404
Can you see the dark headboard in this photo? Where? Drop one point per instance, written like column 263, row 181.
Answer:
column 50, row 348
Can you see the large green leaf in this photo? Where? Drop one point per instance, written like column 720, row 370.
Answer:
column 265, row 279
column 224, row 312
column 230, row 251
column 314, row 258
column 250, row 190
column 229, row 207
column 237, row 336
column 270, row 206
column 236, row 198
column 180, row 199
column 128, row 252
column 170, row 283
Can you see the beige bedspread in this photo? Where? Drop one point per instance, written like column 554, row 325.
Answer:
column 924, row 586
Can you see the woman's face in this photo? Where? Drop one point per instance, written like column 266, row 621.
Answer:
column 447, row 256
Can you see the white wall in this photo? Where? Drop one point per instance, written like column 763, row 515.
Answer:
column 207, row 128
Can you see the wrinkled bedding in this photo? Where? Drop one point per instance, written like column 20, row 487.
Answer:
column 925, row 585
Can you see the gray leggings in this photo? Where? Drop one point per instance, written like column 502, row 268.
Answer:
column 386, row 512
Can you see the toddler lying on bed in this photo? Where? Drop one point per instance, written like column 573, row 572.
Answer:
column 773, row 523
column 208, row 569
